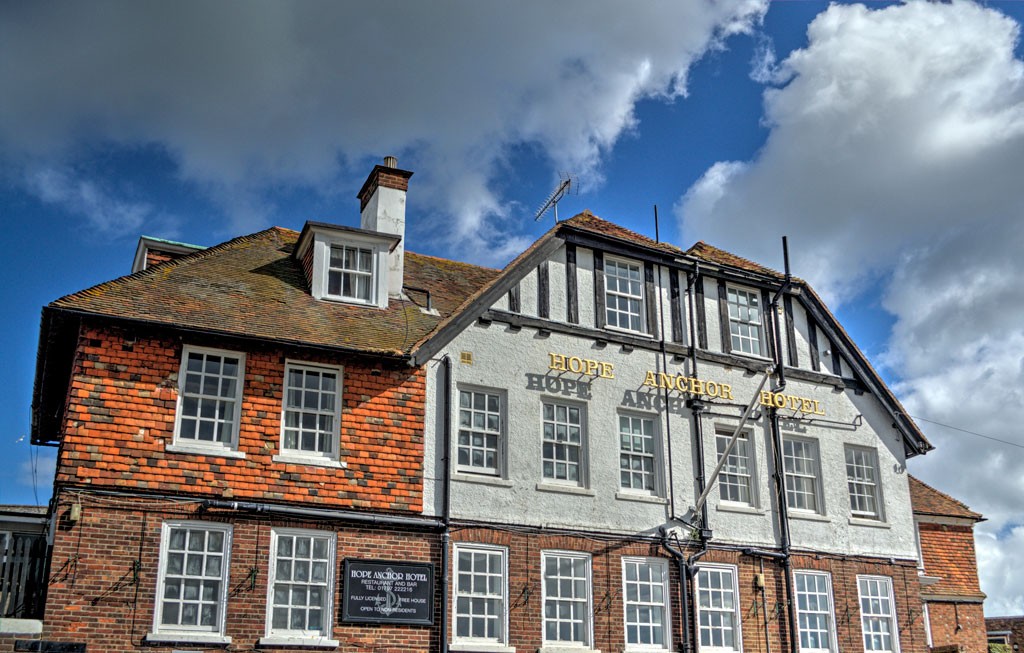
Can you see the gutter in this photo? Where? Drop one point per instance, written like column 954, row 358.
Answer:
column 322, row 513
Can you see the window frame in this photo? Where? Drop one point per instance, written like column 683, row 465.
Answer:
column 657, row 480
column 503, row 637
column 583, row 479
column 286, row 454
column 588, row 604
column 197, row 634
column 195, row 444
column 500, row 469
column 819, row 499
column 894, row 630
column 724, row 432
column 736, row 612
column 379, row 246
column 287, row 636
column 759, row 324
column 370, row 274
column 666, row 604
column 877, row 496
column 641, row 314
column 830, row 595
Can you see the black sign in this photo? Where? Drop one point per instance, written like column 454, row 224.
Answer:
column 393, row 592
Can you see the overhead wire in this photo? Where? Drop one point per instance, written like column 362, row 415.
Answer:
column 957, row 428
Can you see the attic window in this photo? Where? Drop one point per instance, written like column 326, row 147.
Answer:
column 350, row 273
column 345, row 264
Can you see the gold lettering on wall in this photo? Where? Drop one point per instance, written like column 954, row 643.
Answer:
column 688, row 385
column 583, row 366
column 792, row 402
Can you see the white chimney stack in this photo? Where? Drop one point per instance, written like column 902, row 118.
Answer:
column 382, row 209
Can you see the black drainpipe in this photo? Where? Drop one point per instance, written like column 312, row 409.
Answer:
column 446, row 535
column 780, row 483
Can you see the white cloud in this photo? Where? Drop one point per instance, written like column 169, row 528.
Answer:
column 246, row 95
column 895, row 149
column 77, row 195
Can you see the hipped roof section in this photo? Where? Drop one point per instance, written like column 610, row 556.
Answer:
column 252, row 287
column 926, row 500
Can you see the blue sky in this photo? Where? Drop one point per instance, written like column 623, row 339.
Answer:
column 884, row 140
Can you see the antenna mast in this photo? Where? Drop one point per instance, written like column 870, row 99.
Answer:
column 567, row 182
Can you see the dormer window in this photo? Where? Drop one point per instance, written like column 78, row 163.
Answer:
column 350, row 274
column 345, row 264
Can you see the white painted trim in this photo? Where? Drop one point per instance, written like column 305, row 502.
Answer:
column 472, row 643
column 290, row 637
column 169, row 634
column 831, row 609
column 379, row 248
column 667, row 604
column 296, row 456
column 737, row 612
column 894, row 626
column 501, row 473
column 553, row 646
column 213, row 448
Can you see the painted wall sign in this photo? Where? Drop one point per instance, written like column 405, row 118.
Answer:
column 557, row 385
column 382, row 591
column 688, row 385
column 584, row 366
column 792, row 402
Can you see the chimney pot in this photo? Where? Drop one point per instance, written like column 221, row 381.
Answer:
column 390, row 162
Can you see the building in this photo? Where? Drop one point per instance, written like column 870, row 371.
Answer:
column 321, row 440
column 1008, row 631
column 595, row 384
column 951, row 596
column 227, row 431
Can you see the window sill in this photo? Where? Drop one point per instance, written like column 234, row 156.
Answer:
column 741, row 508
column 309, row 460
column 303, row 642
column 565, row 489
column 640, row 498
column 567, row 648
column 482, row 647
column 870, row 523
column 200, row 450
column 628, row 332
column 481, row 479
column 352, row 301
column 807, row 516
column 210, row 639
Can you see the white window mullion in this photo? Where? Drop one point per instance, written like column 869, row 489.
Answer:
column 311, row 415
column 878, row 614
column 566, row 592
column 814, row 611
column 480, row 614
column 646, row 604
column 192, row 584
column 300, row 589
column 718, row 614
column 481, row 427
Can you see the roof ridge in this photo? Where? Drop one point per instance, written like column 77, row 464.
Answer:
column 198, row 255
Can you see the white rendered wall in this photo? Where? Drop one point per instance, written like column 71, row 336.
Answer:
column 504, row 357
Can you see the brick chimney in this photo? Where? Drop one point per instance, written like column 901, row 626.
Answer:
column 382, row 209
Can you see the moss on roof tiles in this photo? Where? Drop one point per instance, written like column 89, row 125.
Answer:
column 252, row 286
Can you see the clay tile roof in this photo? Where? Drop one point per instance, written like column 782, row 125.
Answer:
column 712, row 254
column 252, row 286
column 926, row 500
column 587, row 221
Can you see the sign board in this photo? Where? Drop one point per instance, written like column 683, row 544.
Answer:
column 386, row 591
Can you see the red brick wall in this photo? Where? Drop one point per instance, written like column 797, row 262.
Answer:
column 93, row 596
column 945, row 619
column 525, row 620
column 120, row 419
column 948, row 552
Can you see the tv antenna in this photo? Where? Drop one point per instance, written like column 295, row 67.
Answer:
column 566, row 183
